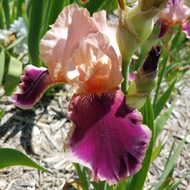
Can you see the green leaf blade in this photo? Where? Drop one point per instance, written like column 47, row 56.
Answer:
column 6, row 9
column 170, row 165
column 2, row 112
column 82, row 176
column 37, row 25
column 56, row 8
column 12, row 157
column 20, row 3
column 94, row 6
column 163, row 99
column 13, row 76
column 161, row 121
column 1, row 18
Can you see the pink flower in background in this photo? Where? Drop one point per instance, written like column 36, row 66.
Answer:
column 176, row 12
column 107, row 135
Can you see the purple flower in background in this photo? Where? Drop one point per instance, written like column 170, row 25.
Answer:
column 175, row 12
column 107, row 134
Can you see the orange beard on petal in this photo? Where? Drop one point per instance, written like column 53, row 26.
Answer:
column 59, row 79
column 97, row 84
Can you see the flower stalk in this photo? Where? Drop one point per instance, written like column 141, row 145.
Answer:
column 125, row 72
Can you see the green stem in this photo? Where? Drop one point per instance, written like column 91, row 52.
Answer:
column 125, row 72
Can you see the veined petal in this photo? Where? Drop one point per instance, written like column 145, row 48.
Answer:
column 34, row 82
column 107, row 135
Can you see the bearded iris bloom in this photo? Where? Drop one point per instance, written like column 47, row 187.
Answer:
column 107, row 135
column 175, row 12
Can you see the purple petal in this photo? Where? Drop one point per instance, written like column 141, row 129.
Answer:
column 34, row 82
column 186, row 29
column 107, row 135
column 163, row 30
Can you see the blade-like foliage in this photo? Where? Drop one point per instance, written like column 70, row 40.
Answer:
column 121, row 185
column 6, row 9
column 174, row 185
column 39, row 12
column 94, row 6
column 12, row 157
column 170, row 164
column 82, row 176
column 13, row 75
column 1, row 17
column 161, row 121
column 20, row 4
column 56, row 8
column 156, row 151
column 2, row 64
column 163, row 99
column 2, row 112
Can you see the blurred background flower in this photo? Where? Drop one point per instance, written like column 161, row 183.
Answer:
column 176, row 12
column 19, row 28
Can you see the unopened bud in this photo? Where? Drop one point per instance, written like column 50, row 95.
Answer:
column 134, row 28
column 146, row 5
column 145, row 80
column 152, row 39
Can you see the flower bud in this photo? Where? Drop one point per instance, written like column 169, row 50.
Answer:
column 134, row 28
column 152, row 39
column 145, row 5
column 145, row 80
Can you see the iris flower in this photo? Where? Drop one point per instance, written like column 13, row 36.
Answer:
column 176, row 12
column 107, row 135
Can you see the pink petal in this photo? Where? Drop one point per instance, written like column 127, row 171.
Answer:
column 132, row 76
column 62, row 46
column 107, row 135
column 100, row 20
column 79, row 28
column 176, row 12
column 52, row 45
column 34, row 82
column 98, row 65
column 186, row 29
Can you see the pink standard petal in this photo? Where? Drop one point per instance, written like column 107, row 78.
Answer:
column 52, row 46
column 107, row 135
column 98, row 65
column 34, row 82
